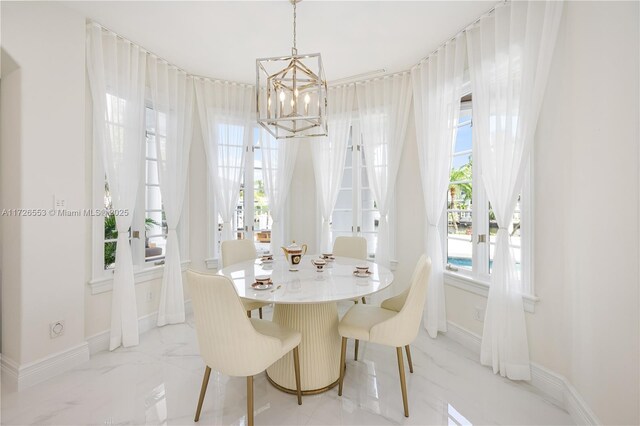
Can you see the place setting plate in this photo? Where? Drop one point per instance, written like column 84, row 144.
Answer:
column 366, row 274
column 262, row 284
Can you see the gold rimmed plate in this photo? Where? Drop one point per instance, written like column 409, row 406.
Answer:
column 262, row 286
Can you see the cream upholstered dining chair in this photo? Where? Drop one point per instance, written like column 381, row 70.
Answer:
column 230, row 342
column 388, row 327
column 396, row 303
column 235, row 251
column 355, row 248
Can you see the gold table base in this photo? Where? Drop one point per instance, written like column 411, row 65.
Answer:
column 304, row 392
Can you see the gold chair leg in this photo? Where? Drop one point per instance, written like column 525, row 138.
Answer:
column 260, row 312
column 355, row 352
column 406, row 348
column 343, row 355
column 296, row 364
column 249, row 314
column 203, row 390
column 403, row 383
column 364, row 301
column 250, row 400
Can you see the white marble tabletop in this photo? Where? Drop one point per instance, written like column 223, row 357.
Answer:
column 336, row 282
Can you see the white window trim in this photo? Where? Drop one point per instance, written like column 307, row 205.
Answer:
column 102, row 279
column 105, row 284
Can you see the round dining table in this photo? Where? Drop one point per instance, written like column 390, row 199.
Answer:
column 306, row 300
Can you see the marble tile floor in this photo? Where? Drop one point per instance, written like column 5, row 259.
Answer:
column 157, row 383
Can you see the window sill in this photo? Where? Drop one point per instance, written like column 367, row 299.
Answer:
column 105, row 284
column 481, row 288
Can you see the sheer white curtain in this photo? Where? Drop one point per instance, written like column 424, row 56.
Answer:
column 437, row 84
column 278, row 162
column 117, row 71
column 383, row 107
column 225, row 110
column 172, row 94
column 328, row 155
column 510, row 53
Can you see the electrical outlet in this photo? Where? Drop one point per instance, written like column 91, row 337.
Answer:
column 478, row 313
column 56, row 329
column 149, row 296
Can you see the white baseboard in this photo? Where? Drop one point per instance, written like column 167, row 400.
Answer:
column 20, row 377
column 552, row 384
column 100, row 342
column 463, row 336
column 580, row 411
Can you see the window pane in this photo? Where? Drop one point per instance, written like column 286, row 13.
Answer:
column 110, row 255
column 151, row 147
column 341, row 221
column 370, row 221
column 463, row 139
column 154, row 199
column 152, row 173
column 150, row 119
column 372, row 241
column 155, row 223
column 344, row 199
column 459, row 197
column 363, row 178
column 154, row 248
column 347, row 178
column 459, row 239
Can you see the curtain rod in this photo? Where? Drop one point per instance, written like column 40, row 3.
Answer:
column 103, row 28
column 457, row 34
column 467, row 27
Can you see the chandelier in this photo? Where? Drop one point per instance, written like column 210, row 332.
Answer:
column 291, row 93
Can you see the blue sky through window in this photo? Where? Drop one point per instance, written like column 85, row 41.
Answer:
column 463, row 143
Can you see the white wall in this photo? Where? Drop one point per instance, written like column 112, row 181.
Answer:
column 10, row 193
column 303, row 215
column 43, row 257
column 600, row 47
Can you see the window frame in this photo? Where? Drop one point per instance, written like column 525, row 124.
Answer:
column 213, row 260
column 101, row 280
column 478, row 279
column 358, row 165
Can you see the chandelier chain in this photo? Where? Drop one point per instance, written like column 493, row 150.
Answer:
column 294, row 24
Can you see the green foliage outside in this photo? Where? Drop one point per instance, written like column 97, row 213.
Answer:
column 111, row 232
column 460, row 191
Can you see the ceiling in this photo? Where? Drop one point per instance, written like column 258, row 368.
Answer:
column 222, row 39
